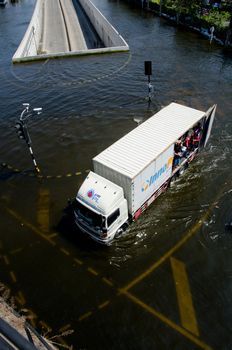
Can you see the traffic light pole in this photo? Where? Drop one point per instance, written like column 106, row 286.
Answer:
column 33, row 159
column 148, row 72
column 23, row 133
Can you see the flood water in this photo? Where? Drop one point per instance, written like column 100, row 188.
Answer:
column 124, row 296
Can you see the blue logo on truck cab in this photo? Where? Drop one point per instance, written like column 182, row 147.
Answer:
column 93, row 195
column 157, row 175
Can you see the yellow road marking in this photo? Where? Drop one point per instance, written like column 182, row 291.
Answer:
column 62, row 342
column 107, row 281
column 43, row 204
column 6, row 259
column 52, row 235
column 167, row 255
column 78, row 261
column 64, row 251
column 167, row 321
column 31, row 317
column 104, row 304
column 20, row 298
column 187, row 313
column 58, row 176
column 30, row 226
column 44, row 325
column 86, row 315
column 95, row 273
column 65, row 328
column 13, row 277
column 15, row 251
column 188, row 235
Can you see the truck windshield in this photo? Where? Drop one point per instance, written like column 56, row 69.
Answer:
column 88, row 215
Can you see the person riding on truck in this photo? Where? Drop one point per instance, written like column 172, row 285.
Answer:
column 177, row 152
column 197, row 133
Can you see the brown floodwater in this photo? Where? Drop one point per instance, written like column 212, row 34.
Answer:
column 124, row 296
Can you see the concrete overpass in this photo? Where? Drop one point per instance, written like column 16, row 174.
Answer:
column 58, row 29
column 61, row 28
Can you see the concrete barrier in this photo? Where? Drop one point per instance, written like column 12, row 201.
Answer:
column 107, row 33
column 104, row 50
column 30, row 44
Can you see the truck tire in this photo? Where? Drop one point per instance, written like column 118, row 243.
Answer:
column 121, row 230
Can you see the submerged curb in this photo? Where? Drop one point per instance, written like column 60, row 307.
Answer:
column 32, row 173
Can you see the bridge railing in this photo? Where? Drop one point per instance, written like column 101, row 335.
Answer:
column 30, row 43
column 11, row 339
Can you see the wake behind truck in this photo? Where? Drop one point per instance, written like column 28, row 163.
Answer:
column 130, row 174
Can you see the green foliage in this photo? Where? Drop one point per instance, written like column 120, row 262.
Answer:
column 186, row 7
column 218, row 19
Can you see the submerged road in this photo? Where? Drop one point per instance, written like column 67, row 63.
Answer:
column 61, row 28
column 166, row 283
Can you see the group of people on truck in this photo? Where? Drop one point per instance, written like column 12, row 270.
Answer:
column 187, row 144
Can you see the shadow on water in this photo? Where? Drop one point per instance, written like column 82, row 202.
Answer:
column 227, row 52
column 67, row 228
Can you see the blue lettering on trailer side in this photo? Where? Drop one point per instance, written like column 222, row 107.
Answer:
column 157, row 175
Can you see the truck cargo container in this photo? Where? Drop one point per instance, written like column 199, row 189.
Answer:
column 130, row 174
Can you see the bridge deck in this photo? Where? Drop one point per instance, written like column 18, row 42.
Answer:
column 61, row 28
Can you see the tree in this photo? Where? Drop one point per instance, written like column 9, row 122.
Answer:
column 186, row 7
column 229, row 31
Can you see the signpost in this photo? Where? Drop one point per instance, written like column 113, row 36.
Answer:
column 148, row 72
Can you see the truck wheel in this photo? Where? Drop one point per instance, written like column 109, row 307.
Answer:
column 125, row 226
column 121, row 230
column 173, row 180
column 184, row 167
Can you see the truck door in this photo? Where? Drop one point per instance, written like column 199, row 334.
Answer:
column 209, row 118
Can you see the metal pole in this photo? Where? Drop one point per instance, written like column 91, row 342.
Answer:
column 33, row 32
column 149, row 88
column 26, row 135
column 14, row 337
column 33, row 158
column 28, row 142
column 148, row 72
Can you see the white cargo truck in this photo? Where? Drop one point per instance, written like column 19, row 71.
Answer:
column 130, row 174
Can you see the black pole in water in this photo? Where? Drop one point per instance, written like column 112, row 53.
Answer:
column 33, row 159
column 23, row 133
column 148, row 72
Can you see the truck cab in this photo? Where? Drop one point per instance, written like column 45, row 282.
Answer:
column 100, row 208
